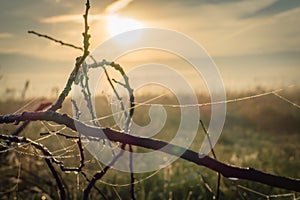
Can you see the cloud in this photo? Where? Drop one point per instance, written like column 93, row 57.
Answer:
column 69, row 18
column 6, row 35
column 268, row 21
column 117, row 6
column 230, row 29
column 244, row 8
column 62, row 19
column 269, row 34
column 110, row 9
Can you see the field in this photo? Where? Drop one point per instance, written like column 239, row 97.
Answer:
column 261, row 132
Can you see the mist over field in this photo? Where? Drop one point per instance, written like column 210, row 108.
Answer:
column 236, row 78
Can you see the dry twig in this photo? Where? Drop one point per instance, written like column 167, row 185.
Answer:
column 186, row 154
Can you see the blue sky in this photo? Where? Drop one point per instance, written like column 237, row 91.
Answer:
column 254, row 41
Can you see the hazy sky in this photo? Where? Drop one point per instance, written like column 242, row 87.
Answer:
column 256, row 41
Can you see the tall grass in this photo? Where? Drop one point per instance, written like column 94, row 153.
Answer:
column 261, row 132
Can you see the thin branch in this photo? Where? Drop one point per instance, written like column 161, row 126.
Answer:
column 208, row 138
column 87, row 96
column 78, row 63
column 99, row 191
column 58, row 104
column 85, row 89
column 75, row 106
column 58, row 180
column 149, row 143
column 114, row 89
column 25, row 124
column 126, row 85
column 81, row 162
column 99, row 175
column 207, row 186
column 131, row 173
column 86, row 36
column 128, row 117
column 128, row 120
column 55, row 40
column 214, row 155
column 80, row 149
column 49, row 157
column 82, row 158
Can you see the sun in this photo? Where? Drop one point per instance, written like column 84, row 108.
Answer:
column 117, row 24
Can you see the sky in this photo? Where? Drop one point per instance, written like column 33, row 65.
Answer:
column 252, row 42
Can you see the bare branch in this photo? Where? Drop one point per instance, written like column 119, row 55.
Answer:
column 58, row 104
column 82, row 158
column 81, row 162
column 86, row 36
column 149, row 143
column 126, row 85
column 128, row 118
column 215, row 157
column 88, row 180
column 55, row 40
column 79, row 61
column 58, row 180
column 25, row 124
column 99, row 175
column 81, row 153
column 131, row 173
column 49, row 157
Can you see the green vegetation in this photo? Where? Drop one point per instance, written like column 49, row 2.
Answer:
column 262, row 133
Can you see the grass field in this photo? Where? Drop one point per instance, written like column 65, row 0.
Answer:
column 262, row 133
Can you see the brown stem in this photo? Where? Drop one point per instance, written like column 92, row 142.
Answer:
column 79, row 61
column 49, row 158
column 149, row 143
column 55, row 40
column 99, row 175
column 26, row 123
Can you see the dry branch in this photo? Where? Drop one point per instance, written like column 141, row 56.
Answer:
column 25, row 124
column 55, row 40
column 186, row 154
column 78, row 63
column 49, row 158
column 214, row 156
column 100, row 174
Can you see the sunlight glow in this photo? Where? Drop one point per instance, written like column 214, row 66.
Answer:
column 117, row 24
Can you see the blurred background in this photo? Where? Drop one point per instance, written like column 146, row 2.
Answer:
column 253, row 43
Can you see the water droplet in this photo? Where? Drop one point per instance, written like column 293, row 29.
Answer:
column 233, row 179
column 78, row 182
